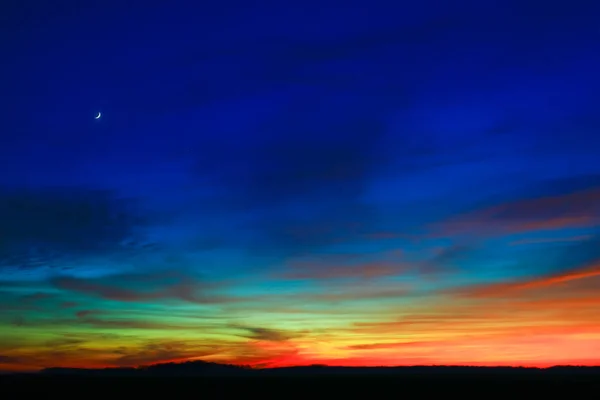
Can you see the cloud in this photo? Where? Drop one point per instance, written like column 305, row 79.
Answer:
column 549, row 307
column 9, row 360
column 37, row 297
column 366, row 271
column 570, row 210
column 390, row 346
column 385, row 235
column 266, row 334
column 93, row 320
column 321, row 154
column 446, row 259
column 141, row 288
column 123, row 323
column 550, row 240
column 84, row 351
column 44, row 226
column 358, row 293
column 552, row 312
column 442, row 259
column 105, row 291
column 505, row 289
column 65, row 341
column 298, row 183
column 19, row 321
column 333, row 267
column 86, row 313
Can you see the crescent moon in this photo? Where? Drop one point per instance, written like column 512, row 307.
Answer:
column 98, row 116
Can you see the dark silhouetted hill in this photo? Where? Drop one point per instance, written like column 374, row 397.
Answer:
column 204, row 368
column 189, row 368
column 213, row 380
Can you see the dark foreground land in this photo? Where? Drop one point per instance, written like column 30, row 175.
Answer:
column 193, row 380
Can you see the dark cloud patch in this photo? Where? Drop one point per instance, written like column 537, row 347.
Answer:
column 9, row 360
column 556, row 265
column 448, row 259
column 571, row 256
column 451, row 254
column 41, row 227
column 331, row 267
column 324, row 224
column 123, row 323
column 313, row 148
column 65, row 341
column 141, row 288
column 86, row 313
column 105, row 291
column 575, row 209
column 301, row 179
column 101, row 320
column 560, row 186
column 37, row 297
column 539, row 188
column 305, row 162
column 389, row 346
column 266, row 334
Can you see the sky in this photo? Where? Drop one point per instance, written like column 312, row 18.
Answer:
column 294, row 183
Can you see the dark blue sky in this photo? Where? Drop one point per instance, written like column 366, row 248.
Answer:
column 285, row 153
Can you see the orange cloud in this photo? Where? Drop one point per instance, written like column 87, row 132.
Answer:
column 550, row 320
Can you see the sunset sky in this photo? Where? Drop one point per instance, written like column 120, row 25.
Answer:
column 291, row 182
